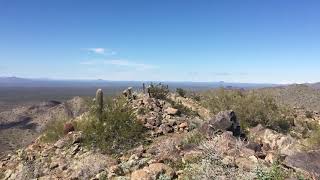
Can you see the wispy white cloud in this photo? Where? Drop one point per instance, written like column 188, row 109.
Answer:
column 126, row 63
column 88, row 63
column 121, row 63
column 101, row 51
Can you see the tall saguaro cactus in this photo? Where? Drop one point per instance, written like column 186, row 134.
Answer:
column 99, row 102
column 144, row 88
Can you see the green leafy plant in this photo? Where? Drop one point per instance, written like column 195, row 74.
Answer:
column 252, row 108
column 195, row 96
column 54, row 130
column 193, row 138
column 309, row 114
column 275, row 172
column 116, row 131
column 314, row 140
column 158, row 91
column 181, row 92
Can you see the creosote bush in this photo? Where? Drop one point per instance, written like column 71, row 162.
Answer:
column 252, row 108
column 182, row 109
column 193, row 138
column 309, row 114
column 181, row 92
column 116, row 131
column 314, row 140
column 158, row 91
column 195, row 96
column 54, row 130
column 275, row 172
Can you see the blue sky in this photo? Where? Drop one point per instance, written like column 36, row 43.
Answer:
column 270, row 41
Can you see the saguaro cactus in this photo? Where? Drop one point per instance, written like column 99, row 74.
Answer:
column 149, row 90
column 144, row 88
column 129, row 92
column 99, row 103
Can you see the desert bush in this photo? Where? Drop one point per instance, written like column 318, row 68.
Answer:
column 252, row 108
column 181, row 92
column 210, row 166
column 158, row 91
column 117, row 130
column 54, row 130
column 182, row 109
column 2, row 175
column 309, row 114
column 193, row 138
column 195, row 96
column 314, row 140
column 275, row 172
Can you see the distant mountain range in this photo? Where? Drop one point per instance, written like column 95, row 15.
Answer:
column 24, row 82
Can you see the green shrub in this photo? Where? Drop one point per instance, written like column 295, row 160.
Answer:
column 195, row 96
column 251, row 108
column 309, row 114
column 2, row 175
column 181, row 92
column 158, row 91
column 314, row 140
column 54, row 130
column 117, row 131
column 275, row 172
column 182, row 109
column 193, row 138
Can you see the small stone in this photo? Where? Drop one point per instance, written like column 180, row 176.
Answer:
column 172, row 111
column 54, row 165
column 183, row 125
column 140, row 175
column 60, row 144
column 75, row 149
column 76, row 138
column 68, row 127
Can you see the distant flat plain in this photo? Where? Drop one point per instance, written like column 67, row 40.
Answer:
column 17, row 91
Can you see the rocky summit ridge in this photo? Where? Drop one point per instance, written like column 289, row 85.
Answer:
column 184, row 141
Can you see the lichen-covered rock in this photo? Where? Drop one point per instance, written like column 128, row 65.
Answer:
column 68, row 127
column 172, row 111
column 271, row 140
column 223, row 121
column 152, row 172
column 305, row 161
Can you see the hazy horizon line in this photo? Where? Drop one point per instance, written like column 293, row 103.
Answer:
column 149, row 81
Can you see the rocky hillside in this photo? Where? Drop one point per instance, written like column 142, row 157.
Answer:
column 181, row 140
column 22, row 125
column 299, row 95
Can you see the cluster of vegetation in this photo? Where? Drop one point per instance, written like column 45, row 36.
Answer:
column 252, row 108
column 210, row 165
column 309, row 114
column 314, row 139
column 195, row 96
column 193, row 138
column 54, row 130
column 158, row 91
column 113, row 130
column 275, row 172
column 181, row 92
column 182, row 109
column 116, row 129
column 299, row 95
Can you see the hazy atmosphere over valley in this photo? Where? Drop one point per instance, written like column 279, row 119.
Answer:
column 159, row 90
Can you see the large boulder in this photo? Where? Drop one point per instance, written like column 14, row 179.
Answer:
column 172, row 111
column 223, row 121
column 271, row 140
column 304, row 161
column 153, row 171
